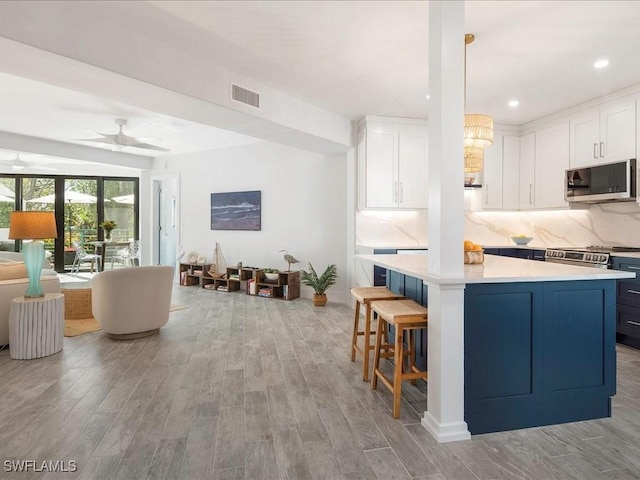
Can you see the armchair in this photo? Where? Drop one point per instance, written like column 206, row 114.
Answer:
column 132, row 302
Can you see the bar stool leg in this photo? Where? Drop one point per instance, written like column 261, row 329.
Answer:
column 367, row 343
column 397, row 371
column 354, row 337
column 412, row 354
column 376, row 353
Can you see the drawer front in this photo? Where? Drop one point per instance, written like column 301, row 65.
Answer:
column 538, row 255
column 379, row 276
column 628, row 320
column 628, row 264
column 629, row 293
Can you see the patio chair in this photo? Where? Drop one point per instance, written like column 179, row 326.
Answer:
column 128, row 257
column 83, row 256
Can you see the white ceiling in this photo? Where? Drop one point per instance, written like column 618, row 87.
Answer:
column 354, row 58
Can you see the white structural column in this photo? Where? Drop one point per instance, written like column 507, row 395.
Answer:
column 444, row 417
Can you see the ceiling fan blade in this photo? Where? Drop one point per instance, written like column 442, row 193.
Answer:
column 98, row 140
column 148, row 146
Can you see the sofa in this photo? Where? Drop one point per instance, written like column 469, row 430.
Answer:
column 132, row 302
column 13, row 283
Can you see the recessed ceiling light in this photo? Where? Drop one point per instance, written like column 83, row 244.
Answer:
column 513, row 103
column 428, row 96
column 601, row 63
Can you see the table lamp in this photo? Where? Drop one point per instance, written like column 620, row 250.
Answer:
column 33, row 226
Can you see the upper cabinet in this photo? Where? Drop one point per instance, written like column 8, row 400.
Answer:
column 551, row 160
column 492, row 174
column 500, row 173
column 392, row 163
column 510, row 172
column 603, row 135
column 527, row 171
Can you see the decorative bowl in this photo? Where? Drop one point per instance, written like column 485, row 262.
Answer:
column 474, row 256
column 271, row 276
column 521, row 240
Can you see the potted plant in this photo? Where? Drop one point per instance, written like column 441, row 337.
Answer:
column 107, row 226
column 319, row 284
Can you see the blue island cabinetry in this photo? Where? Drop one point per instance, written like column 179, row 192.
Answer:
column 628, row 303
column 536, row 353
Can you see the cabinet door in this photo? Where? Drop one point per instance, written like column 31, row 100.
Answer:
column 527, row 172
column 584, row 140
column 551, row 161
column 618, row 132
column 381, row 167
column 412, row 172
column 492, row 175
column 510, row 172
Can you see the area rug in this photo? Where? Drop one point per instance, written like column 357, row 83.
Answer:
column 78, row 317
column 73, row 328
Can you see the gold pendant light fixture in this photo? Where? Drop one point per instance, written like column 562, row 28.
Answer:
column 478, row 128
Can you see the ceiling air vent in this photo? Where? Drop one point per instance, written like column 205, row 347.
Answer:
column 245, row 96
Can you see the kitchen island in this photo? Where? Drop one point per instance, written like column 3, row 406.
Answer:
column 539, row 338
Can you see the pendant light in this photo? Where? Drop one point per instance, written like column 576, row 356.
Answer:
column 478, row 128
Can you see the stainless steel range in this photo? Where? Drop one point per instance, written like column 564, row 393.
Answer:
column 592, row 256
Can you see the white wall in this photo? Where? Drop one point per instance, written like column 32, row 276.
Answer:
column 304, row 206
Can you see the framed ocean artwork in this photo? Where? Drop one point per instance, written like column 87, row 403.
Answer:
column 236, row 210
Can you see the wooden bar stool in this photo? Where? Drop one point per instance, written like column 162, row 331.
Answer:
column 364, row 296
column 406, row 316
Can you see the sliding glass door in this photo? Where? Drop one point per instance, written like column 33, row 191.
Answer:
column 81, row 204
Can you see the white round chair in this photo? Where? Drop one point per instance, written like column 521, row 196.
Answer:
column 132, row 302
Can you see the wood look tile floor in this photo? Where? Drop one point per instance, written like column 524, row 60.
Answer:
column 242, row 387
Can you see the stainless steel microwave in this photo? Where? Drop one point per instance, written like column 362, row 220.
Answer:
column 607, row 182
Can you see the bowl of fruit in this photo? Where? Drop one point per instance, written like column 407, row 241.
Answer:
column 521, row 239
column 271, row 274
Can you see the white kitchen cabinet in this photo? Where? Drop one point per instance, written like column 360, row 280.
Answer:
column 551, row 161
column 492, row 174
column 603, row 135
column 527, row 171
column 392, row 162
column 510, row 172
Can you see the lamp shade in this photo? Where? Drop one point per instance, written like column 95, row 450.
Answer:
column 478, row 130
column 32, row 225
column 473, row 159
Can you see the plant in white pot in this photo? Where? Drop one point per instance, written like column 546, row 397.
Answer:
column 321, row 283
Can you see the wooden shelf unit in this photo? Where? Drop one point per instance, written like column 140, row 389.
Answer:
column 231, row 282
column 286, row 287
column 193, row 273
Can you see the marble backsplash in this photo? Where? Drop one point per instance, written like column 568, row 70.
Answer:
column 600, row 224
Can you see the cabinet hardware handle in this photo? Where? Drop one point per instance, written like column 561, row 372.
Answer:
column 637, row 324
column 530, row 197
column 635, row 292
column 601, row 149
column 595, row 150
column 401, row 193
column 395, row 191
column 631, row 267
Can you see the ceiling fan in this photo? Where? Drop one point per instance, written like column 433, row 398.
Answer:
column 120, row 140
column 19, row 163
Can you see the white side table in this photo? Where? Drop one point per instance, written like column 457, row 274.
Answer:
column 36, row 326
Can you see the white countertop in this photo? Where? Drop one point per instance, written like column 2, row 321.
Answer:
column 495, row 269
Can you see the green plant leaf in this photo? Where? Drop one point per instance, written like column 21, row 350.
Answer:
column 322, row 283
